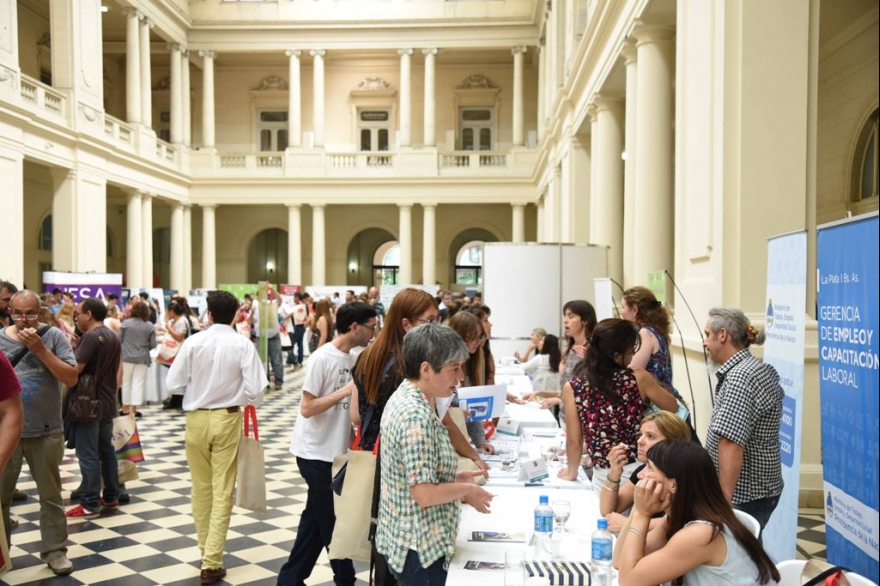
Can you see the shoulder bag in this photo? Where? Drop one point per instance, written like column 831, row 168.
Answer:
column 83, row 405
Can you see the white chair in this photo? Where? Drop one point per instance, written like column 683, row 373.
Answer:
column 749, row 522
column 790, row 574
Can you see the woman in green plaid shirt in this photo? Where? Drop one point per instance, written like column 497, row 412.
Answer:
column 418, row 513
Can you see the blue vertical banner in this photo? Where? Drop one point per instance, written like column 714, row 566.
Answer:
column 849, row 321
column 784, row 325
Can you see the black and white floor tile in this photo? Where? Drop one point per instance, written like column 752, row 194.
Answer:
column 152, row 539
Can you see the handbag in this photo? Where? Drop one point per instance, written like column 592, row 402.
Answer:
column 816, row 573
column 170, row 347
column 314, row 339
column 251, row 492
column 83, row 405
column 126, row 439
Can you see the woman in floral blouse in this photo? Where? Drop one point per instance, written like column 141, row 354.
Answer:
column 603, row 401
column 418, row 512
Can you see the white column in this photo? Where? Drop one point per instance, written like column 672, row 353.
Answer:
column 147, row 235
column 177, row 258
column 9, row 57
column 209, row 247
column 629, row 165
column 405, row 241
column 12, row 172
column 79, row 221
column 294, row 110
column 77, row 58
column 655, row 105
column 318, row 100
column 176, row 95
column 540, row 221
column 132, row 66
column 294, row 245
column 608, row 205
column 542, row 81
column 187, row 249
column 518, row 229
column 207, row 98
column 594, row 168
column 186, row 92
column 319, row 256
column 146, row 74
column 405, row 97
column 429, row 244
column 430, row 97
column 134, row 256
column 518, row 135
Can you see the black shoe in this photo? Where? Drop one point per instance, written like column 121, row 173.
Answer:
column 137, row 415
column 74, row 494
column 212, row 576
column 124, row 497
column 19, row 495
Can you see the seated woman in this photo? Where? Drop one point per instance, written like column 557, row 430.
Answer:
column 547, row 357
column 534, row 342
column 418, row 509
column 615, row 498
column 700, row 540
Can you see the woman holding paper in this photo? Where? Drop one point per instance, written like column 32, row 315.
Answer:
column 699, row 540
column 470, row 330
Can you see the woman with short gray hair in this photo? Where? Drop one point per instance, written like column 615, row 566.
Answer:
column 418, row 514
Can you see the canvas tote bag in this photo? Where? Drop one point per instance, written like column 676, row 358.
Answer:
column 251, row 492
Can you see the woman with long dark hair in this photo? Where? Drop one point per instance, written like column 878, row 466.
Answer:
column 322, row 325
column 603, row 401
column 700, row 540
column 470, row 330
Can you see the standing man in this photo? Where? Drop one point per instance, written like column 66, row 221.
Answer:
column 219, row 372
column 273, row 334
column 322, row 432
column 49, row 361
column 298, row 317
column 98, row 353
column 743, row 436
column 7, row 290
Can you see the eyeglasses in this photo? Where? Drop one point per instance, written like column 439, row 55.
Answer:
column 372, row 327
column 25, row 316
column 435, row 320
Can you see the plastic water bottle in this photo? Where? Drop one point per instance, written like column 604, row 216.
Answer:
column 602, row 547
column 543, row 528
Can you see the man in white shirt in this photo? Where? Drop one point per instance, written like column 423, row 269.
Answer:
column 219, row 372
column 322, row 432
column 298, row 315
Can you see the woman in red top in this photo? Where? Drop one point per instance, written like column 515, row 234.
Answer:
column 603, row 401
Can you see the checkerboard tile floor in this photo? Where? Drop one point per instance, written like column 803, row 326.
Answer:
column 152, row 539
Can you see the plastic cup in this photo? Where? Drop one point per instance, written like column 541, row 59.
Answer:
column 514, row 568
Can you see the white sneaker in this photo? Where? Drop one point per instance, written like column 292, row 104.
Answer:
column 60, row 565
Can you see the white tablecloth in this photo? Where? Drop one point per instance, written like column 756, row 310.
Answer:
column 517, row 383
column 531, row 415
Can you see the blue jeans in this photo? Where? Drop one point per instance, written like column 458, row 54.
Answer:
column 97, row 459
column 760, row 509
column 274, row 352
column 415, row 575
column 296, row 341
column 315, row 529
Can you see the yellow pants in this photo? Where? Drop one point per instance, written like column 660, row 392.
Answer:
column 212, row 438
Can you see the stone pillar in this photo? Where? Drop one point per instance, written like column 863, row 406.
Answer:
column 132, row 66
column 629, row 174
column 186, row 97
column 655, row 155
column 12, row 172
column 318, row 102
column 540, row 221
column 146, row 73
column 176, row 95
column 429, row 244
column 430, row 116
column 518, row 135
column 134, row 256
column 9, row 65
column 79, row 221
column 519, row 223
column 187, row 249
column 405, row 241
column 608, row 205
column 294, row 110
column 542, row 81
column 319, row 255
column 177, row 274
column 207, row 98
column 594, row 169
column 147, row 235
column 209, row 246
column 405, row 97
column 294, row 245
column 77, row 60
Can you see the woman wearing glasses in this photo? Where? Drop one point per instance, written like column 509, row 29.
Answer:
column 470, row 330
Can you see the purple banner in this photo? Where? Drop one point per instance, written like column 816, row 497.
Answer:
column 83, row 285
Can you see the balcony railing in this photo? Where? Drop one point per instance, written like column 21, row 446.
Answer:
column 118, row 131
column 42, row 97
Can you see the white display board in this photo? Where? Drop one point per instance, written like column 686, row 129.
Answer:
column 526, row 286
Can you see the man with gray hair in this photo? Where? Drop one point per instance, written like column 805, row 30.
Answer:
column 743, row 436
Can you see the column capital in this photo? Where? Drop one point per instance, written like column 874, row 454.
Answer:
column 629, row 51
column 405, row 206
column 133, row 193
column 519, row 49
column 318, row 205
column 207, row 53
column 610, row 101
column 208, row 206
column 147, row 22
column 403, row 52
column 518, row 205
column 592, row 112
column 132, row 11
column 174, row 47
column 293, row 53
column 184, row 52
column 429, row 204
column 317, row 52
column 652, row 31
column 431, row 51
column 294, row 206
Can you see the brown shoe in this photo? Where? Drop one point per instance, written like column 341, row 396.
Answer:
column 211, row 576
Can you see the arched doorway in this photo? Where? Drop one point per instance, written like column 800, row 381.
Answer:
column 362, row 267
column 465, row 254
column 267, row 257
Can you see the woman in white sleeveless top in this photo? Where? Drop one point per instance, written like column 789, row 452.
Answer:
column 699, row 541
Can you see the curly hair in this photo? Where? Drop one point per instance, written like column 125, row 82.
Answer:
column 650, row 312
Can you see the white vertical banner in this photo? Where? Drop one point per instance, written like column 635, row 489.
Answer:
column 784, row 349
column 604, row 292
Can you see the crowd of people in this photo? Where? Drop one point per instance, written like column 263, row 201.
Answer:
column 395, row 374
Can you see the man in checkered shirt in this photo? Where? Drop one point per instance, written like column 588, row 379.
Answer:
column 743, row 436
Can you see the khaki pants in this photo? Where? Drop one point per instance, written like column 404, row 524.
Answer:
column 212, row 438
column 43, row 455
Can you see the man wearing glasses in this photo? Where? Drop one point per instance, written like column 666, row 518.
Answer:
column 48, row 362
column 322, row 432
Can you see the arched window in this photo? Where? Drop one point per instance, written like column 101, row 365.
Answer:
column 866, row 165
column 469, row 263
column 386, row 263
column 45, row 241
